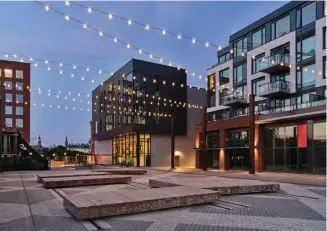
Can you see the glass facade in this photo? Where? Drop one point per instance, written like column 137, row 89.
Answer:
column 306, row 48
column 298, row 147
column 239, row 73
column 212, row 90
column 306, row 15
column 306, row 77
column 281, row 27
column 132, row 148
column 258, row 38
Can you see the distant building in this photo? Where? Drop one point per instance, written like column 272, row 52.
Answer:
column 15, row 97
column 130, row 121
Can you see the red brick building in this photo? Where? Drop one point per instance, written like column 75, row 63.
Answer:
column 15, row 97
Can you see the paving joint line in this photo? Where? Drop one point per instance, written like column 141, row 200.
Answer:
column 234, row 203
column 29, row 206
column 293, row 195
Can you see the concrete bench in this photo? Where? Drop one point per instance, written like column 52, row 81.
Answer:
column 84, row 181
column 225, row 186
column 69, row 174
column 122, row 171
column 104, row 204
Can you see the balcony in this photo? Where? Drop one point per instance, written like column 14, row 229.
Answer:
column 234, row 100
column 276, row 64
column 275, row 89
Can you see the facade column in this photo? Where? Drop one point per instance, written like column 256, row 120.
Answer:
column 138, row 149
column 257, row 149
column 222, row 153
column 5, row 143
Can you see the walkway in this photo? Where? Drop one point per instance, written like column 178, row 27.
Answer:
column 302, row 179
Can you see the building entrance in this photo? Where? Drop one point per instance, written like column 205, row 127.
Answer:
column 237, row 159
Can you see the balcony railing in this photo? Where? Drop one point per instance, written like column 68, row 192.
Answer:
column 274, row 64
column 275, row 89
column 234, row 100
column 293, row 107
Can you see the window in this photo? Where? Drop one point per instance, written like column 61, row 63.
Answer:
column 257, row 64
column 212, row 90
column 306, row 15
column 8, row 122
column 240, row 46
column 324, row 67
column 306, row 48
column 282, row 77
column 8, row 85
column 8, row 98
column 258, row 38
column 280, row 27
column 306, row 77
column 240, row 91
column 19, row 98
column 256, row 83
column 223, row 93
column 19, row 123
column 325, row 38
column 19, row 111
column 8, row 110
column 8, row 73
column 157, row 117
column 19, row 86
column 224, row 76
column 108, row 122
column 224, row 58
column 19, row 74
column 239, row 73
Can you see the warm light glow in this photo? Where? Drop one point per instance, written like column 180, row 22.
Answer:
column 129, row 22
column 207, row 44
column 84, row 26
column 151, row 56
column 115, row 40
column 67, row 17
column 140, row 51
column 67, row 3
column 147, row 27
column 128, row 45
column 179, row 36
column 193, row 41
column 89, row 10
column 101, row 33
column 47, row 8
column 110, row 16
column 219, row 48
column 163, row 32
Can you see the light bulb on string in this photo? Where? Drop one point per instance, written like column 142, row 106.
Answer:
column 147, row 27
column 110, row 16
column 89, row 10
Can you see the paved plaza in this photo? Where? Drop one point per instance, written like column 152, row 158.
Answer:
column 26, row 206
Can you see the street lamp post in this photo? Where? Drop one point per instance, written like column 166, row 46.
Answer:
column 252, row 133
column 172, row 146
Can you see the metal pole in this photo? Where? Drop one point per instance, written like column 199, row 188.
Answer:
column 172, row 157
column 251, row 134
column 205, row 161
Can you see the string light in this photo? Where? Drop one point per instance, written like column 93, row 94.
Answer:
column 67, row 17
column 101, row 33
column 147, row 27
column 89, row 10
column 47, row 8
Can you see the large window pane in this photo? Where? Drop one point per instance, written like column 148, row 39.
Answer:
column 19, row 74
column 8, row 122
column 19, row 111
column 8, row 110
column 308, row 47
column 308, row 75
column 279, row 160
column 268, row 137
column 8, row 85
column 19, row 86
column 291, row 159
column 258, row 38
column 8, row 73
column 279, row 135
column 308, row 14
column 8, row 98
column 268, row 160
column 19, row 98
column 19, row 123
column 282, row 27
column 291, row 136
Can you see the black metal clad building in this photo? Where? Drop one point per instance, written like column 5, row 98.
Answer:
column 123, row 103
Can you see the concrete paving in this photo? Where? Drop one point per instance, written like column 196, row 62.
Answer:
column 68, row 174
column 25, row 205
column 219, row 184
column 124, row 171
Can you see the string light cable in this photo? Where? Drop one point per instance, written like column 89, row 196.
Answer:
column 117, row 40
column 146, row 26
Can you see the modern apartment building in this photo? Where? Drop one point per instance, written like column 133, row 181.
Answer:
column 281, row 59
column 15, row 99
column 134, row 112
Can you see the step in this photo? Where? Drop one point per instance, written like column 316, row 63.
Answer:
column 225, row 186
column 122, row 171
column 84, row 181
column 68, row 174
column 105, row 204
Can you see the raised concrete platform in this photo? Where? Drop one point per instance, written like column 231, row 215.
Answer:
column 122, row 171
column 68, row 174
column 84, row 181
column 104, row 204
column 222, row 185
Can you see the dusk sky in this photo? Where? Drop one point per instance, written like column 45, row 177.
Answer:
column 27, row 29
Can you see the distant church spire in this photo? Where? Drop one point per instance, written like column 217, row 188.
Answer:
column 39, row 141
column 66, row 143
